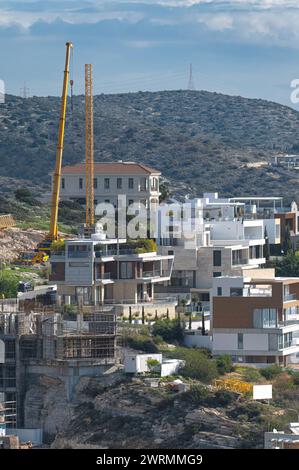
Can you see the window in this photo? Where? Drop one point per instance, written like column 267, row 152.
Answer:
column 63, row 183
column 217, row 274
column 106, row 183
column 126, row 271
column 131, row 202
column 95, row 183
column 240, row 341
column 119, row 183
column 143, row 184
column 170, row 252
column 131, row 183
column 216, row 258
column 219, row 291
column 107, row 201
column 80, row 183
column 236, row 292
column 265, row 318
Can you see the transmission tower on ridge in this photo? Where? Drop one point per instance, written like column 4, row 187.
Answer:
column 25, row 91
column 191, row 85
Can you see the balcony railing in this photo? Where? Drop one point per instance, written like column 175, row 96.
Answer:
column 155, row 273
column 289, row 297
column 239, row 261
column 78, row 254
column 103, row 276
column 128, row 251
column 288, row 344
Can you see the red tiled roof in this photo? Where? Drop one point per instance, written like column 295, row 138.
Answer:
column 119, row 168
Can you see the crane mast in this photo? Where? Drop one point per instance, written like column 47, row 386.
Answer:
column 53, row 234
column 89, row 146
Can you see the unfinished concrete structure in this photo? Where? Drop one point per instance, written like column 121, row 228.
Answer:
column 51, row 344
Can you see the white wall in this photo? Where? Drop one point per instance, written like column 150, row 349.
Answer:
column 227, row 230
column 138, row 363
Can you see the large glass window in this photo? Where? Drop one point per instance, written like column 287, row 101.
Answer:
column 131, row 183
column 265, row 318
column 240, row 341
column 106, row 183
column 119, row 183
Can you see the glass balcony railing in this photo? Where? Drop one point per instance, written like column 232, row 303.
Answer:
column 103, row 276
column 289, row 297
column 239, row 261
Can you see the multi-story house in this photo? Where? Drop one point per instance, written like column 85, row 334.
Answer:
column 255, row 319
column 139, row 183
column 101, row 271
column 277, row 219
column 220, row 242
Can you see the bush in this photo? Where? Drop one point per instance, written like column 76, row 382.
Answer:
column 197, row 364
column 295, row 377
column 272, row 371
column 224, row 364
column 223, row 398
column 168, row 330
column 24, row 195
column 197, row 394
column 9, row 283
column 142, row 343
column 251, row 375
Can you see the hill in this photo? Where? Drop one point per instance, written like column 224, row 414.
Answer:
column 201, row 141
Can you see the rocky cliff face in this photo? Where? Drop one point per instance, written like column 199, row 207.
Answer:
column 130, row 414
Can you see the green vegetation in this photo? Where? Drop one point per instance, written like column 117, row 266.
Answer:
column 270, row 372
column 169, row 330
column 198, row 363
column 289, row 265
column 141, row 342
column 143, row 245
column 24, row 195
column 8, row 284
column 224, row 364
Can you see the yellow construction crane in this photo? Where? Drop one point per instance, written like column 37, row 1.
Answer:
column 53, row 233
column 89, row 149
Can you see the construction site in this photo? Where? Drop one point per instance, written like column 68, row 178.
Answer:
column 44, row 343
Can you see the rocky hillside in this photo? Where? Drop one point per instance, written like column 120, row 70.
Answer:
column 204, row 141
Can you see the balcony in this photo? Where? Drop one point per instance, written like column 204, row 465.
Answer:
column 289, row 297
column 78, row 254
column 103, row 277
column 115, row 252
column 239, row 261
column 152, row 274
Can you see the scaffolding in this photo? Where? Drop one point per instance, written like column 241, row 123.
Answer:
column 45, row 336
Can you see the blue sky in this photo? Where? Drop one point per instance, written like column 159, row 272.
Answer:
column 240, row 47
